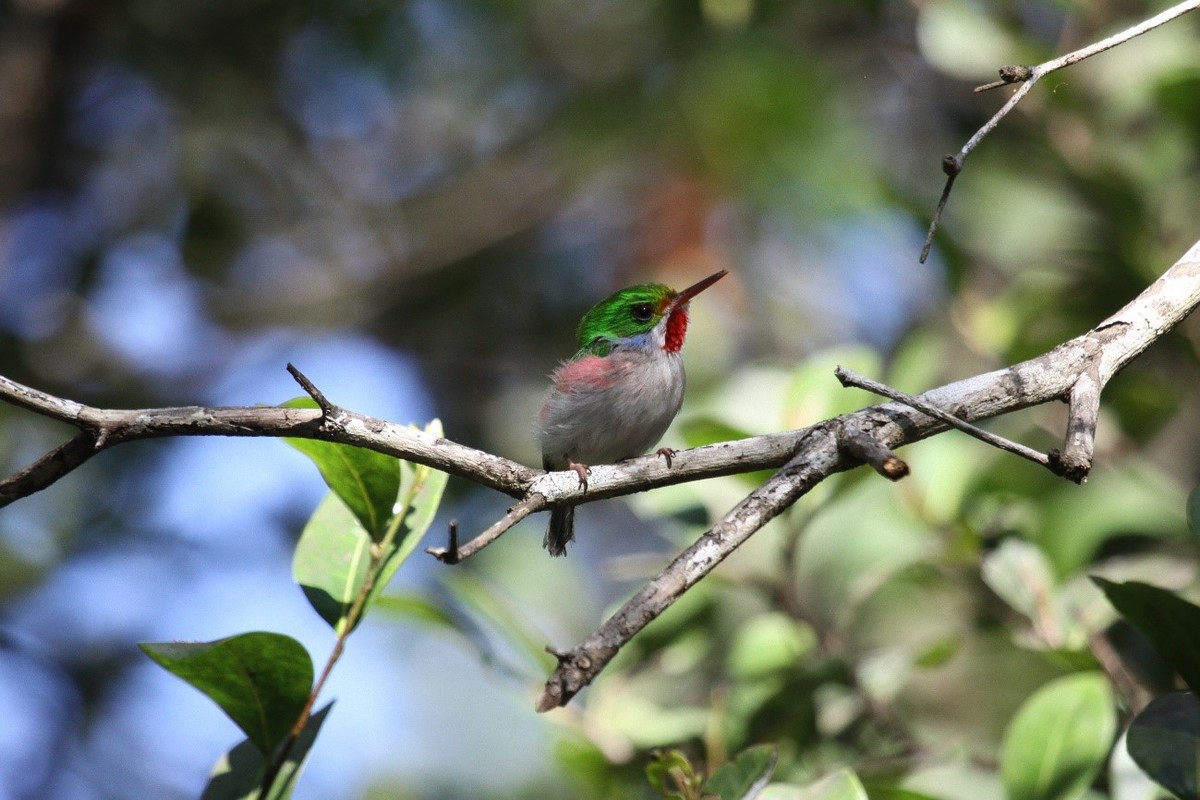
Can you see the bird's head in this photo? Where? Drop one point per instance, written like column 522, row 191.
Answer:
column 638, row 310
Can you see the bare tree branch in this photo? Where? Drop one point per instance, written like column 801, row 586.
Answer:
column 1027, row 76
column 1101, row 351
column 105, row 428
column 1077, row 370
column 861, row 446
column 851, row 378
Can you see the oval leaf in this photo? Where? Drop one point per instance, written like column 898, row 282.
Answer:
column 1171, row 623
column 745, row 776
column 366, row 481
column 261, row 680
column 840, row 785
column 1059, row 738
column 238, row 774
column 1164, row 740
column 421, row 489
column 1019, row 573
column 331, row 560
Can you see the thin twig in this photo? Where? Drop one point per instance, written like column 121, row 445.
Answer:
column 454, row 553
column 1028, row 76
column 1013, row 73
column 451, row 556
column 850, row 378
column 328, row 409
column 47, row 469
column 951, row 166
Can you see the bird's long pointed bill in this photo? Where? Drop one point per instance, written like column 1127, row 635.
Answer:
column 696, row 288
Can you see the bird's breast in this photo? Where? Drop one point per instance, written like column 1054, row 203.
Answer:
column 617, row 407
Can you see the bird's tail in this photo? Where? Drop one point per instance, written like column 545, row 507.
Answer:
column 561, row 530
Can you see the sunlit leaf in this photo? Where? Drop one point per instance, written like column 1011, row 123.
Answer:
column 768, row 643
column 261, row 680
column 366, row 481
column 840, row 785
column 1018, row 572
column 331, row 560
column 1059, row 738
column 896, row 793
column 1164, row 740
column 745, row 776
column 1171, row 623
column 238, row 774
column 334, row 555
column 421, row 489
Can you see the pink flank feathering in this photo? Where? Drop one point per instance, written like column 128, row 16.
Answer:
column 588, row 374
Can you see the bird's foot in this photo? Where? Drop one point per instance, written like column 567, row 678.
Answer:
column 582, row 470
column 667, row 453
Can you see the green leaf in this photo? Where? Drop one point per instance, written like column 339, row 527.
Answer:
column 420, row 494
column 261, row 680
column 840, row 785
column 238, row 774
column 334, row 555
column 366, row 481
column 1019, row 573
column 417, row 609
column 896, row 793
column 1193, row 511
column 1164, row 740
column 745, row 776
column 769, row 643
column 671, row 770
column 331, row 560
column 1059, row 738
column 1171, row 623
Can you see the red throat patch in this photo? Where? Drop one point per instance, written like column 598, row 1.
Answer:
column 676, row 330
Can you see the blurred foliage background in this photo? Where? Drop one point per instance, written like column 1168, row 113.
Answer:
column 415, row 202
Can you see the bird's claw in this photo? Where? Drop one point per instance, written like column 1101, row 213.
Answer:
column 582, row 470
column 667, row 453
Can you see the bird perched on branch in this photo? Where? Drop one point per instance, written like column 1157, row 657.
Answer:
column 616, row 396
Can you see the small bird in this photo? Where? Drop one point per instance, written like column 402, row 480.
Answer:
column 616, row 396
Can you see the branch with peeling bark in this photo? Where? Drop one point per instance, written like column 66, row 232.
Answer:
column 1076, row 371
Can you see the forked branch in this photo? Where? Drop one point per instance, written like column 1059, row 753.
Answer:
column 1075, row 371
column 1085, row 363
column 1027, row 76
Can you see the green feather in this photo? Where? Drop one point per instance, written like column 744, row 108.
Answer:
column 613, row 317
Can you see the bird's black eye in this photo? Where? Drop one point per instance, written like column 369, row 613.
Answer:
column 642, row 312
